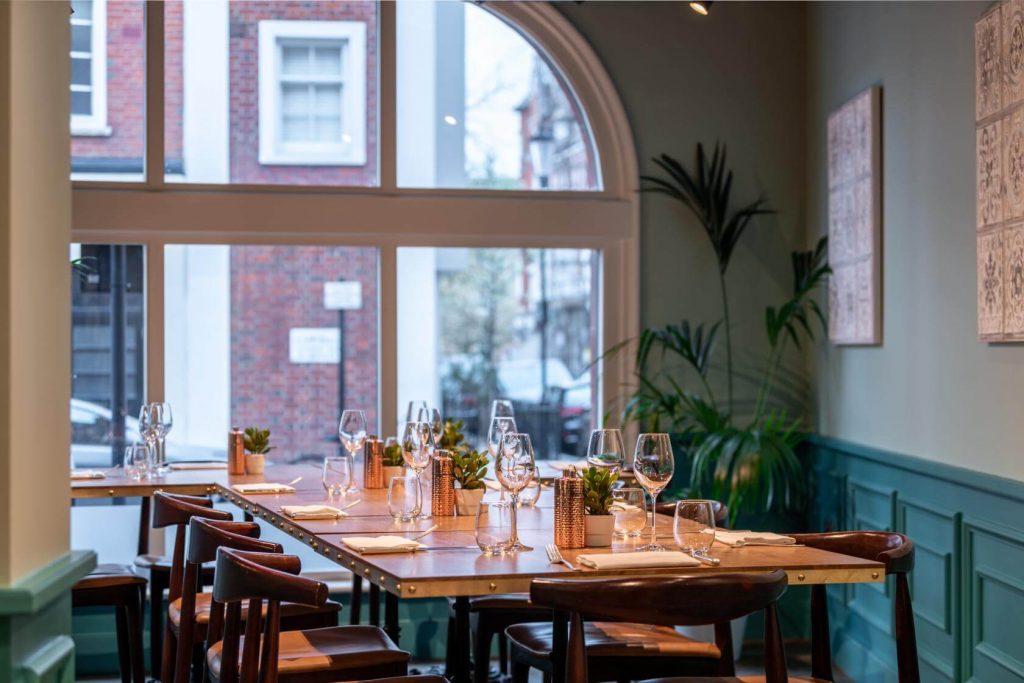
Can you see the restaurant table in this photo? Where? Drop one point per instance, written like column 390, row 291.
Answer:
column 453, row 566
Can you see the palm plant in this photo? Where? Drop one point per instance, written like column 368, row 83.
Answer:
column 752, row 466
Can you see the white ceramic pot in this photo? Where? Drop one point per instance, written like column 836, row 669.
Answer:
column 598, row 530
column 467, row 501
column 254, row 463
column 392, row 472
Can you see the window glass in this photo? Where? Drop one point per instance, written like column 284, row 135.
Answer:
column 271, row 92
column 479, row 324
column 108, row 90
column 480, row 106
column 278, row 337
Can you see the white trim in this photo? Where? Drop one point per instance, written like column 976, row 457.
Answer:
column 95, row 124
column 351, row 37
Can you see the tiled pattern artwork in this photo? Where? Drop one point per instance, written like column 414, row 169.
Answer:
column 999, row 71
column 854, row 220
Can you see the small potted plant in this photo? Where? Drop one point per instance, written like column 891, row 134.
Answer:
column 257, row 445
column 469, row 468
column 597, row 496
column 393, row 462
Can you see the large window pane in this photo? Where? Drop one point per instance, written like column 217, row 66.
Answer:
column 271, row 92
column 107, row 351
column 271, row 336
column 480, row 106
column 108, row 90
column 480, row 324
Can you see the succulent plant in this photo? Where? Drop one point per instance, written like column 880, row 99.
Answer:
column 452, row 438
column 597, row 489
column 257, row 440
column 469, row 467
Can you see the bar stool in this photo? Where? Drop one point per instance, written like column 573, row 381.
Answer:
column 896, row 552
column 111, row 585
column 309, row 656
column 660, row 602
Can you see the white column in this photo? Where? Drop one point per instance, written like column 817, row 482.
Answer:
column 418, row 374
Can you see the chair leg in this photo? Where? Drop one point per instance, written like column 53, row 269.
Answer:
column 123, row 647
column 521, row 672
column 157, row 584
column 134, row 618
column 503, row 654
column 170, row 649
column 906, row 636
column 450, row 650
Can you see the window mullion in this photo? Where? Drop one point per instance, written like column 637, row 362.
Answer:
column 154, row 94
column 154, row 320
column 386, row 106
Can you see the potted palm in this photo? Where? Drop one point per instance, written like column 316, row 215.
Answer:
column 257, row 445
column 597, row 497
column 469, row 468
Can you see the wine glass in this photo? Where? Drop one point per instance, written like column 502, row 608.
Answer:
column 652, row 466
column 502, row 407
column 500, row 426
column 417, row 451
column 337, row 474
column 155, row 422
column 515, row 467
column 352, row 434
column 605, row 448
column 418, row 411
column 694, row 526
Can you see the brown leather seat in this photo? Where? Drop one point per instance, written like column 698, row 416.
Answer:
column 288, row 609
column 326, row 649
column 504, row 601
column 616, row 639
column 107, row 575
column 117, row 586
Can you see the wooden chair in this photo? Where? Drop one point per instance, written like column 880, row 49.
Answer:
column 896, row 552
column 195, row 615
column 339, row 653
column 117, row 586
column 662, row 602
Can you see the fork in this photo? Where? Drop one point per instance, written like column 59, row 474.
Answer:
column 555, row 556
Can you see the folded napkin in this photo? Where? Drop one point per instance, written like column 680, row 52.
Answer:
column 369, row 545
column 86, row 474
column 562, row 465
column 198, row 465
column 313, row 512
column 637, row 560
column 741, row 538
column 265, row 487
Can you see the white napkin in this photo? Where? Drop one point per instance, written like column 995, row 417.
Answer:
column 368, row 545
column 198, row 465
column 737, row 539
column 313, row 512
column 86, row 474
column 562, row 465
column 265, row 487
column 637, row 560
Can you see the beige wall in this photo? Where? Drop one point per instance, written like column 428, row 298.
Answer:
column 34, row 286
column 932, row 390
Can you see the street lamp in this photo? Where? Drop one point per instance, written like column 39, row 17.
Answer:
column 542, row 146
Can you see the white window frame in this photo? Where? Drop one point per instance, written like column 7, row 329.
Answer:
column 95, row 124
column 351, row 37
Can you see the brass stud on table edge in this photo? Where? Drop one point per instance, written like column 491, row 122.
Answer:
column 800, row 577
column 398, row 586
column 110, row 492
column 412, row 589
column 874, row 575
column 366, row 571
column 351, row 563
column 493, row 586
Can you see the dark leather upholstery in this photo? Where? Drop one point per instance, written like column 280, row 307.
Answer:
column 616, row 639
column 107, row 575
column 288, row 609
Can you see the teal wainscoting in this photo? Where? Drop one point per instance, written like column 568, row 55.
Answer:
column 968, row 582
column 35, row 622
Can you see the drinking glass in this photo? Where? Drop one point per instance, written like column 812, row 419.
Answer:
column 629, row 506
column 652, row 466
column 337, row 474
column 404, row 502
column 530, row 495
column 500, row 426
column 502, row 407
column 352, row 434
column 495, row 527
column 137, row 461
column 417, row 450
column 605, row 448
column 155, row 422
column 694, row 526
column 514, row 468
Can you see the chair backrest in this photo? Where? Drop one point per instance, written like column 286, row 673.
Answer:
column 255, row 576
column 720, row 510
column 894, row 550
column 176, row 510
column 667, row 601
column 205, row 537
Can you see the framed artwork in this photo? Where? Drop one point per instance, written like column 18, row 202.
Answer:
column 999, row 136
column 855, row 220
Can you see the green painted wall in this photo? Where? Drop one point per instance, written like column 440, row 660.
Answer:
column 932, row 390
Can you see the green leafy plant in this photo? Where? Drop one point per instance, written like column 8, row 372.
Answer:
column 257, row 440
column 597, row 489
column 393, row 456
column 742, row 450
column 469, row 467
column 452, row 437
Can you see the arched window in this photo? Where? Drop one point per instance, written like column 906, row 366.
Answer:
column 345, row 204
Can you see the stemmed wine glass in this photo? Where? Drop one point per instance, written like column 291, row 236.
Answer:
column 605, row 449
column 436, row 425
column 155, row 422
column 515, row 468
column 418, row 411
column 653, row 465
column 417, row 451
column 352, row 434
column 500, row 426
column 502, row 407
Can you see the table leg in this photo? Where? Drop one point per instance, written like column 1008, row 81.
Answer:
column 391, row 617
column 461, row 672
column 143, row 546
column 247, row 516
column 374, row 599
column 356, row 607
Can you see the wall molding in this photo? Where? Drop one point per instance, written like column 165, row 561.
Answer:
column 34, row 591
